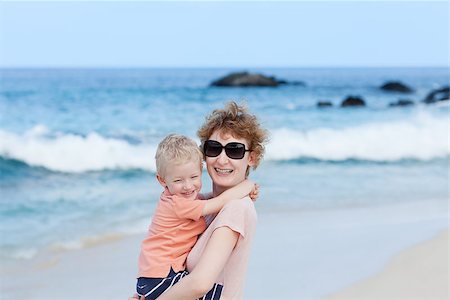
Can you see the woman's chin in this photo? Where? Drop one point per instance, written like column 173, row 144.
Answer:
column 226, row 182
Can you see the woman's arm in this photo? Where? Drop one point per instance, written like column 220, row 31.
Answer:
column 202, row 278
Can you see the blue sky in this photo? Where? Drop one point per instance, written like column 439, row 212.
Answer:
column 224, row 34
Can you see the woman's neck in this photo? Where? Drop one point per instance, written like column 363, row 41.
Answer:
column 217, row 190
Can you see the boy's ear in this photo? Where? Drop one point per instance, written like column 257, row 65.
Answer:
column 161, row 180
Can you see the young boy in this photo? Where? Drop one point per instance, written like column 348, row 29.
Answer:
column 178, row 219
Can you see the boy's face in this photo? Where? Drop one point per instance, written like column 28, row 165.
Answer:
column 226, row 172
column 183, row 180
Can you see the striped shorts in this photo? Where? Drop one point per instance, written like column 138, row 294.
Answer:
column 152, row 288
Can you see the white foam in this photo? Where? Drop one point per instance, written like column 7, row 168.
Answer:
column 85, row 241
column 24, row 253
column 136, row 227
column 67, row 245
column 72, row 153
column 423, row 137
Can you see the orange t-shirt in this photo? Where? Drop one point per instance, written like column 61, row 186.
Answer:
column 175, row 226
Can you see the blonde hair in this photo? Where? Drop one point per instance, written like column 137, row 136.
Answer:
column 235, row 119
column 176, row 149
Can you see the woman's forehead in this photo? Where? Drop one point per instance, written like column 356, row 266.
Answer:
column 226, row 136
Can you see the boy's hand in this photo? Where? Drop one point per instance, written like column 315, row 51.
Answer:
column 254, row 194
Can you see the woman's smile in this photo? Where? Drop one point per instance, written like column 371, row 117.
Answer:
column 223, row 172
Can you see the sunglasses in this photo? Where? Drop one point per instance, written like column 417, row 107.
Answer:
column 233, row 150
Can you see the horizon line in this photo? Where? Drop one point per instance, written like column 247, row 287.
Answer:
column 230, row 67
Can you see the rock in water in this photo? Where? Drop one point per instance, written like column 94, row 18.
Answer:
column 324, row 104
column 353, row 101
column 395, row 86
column 441, row 94
column 401, row 102
column 245, row 79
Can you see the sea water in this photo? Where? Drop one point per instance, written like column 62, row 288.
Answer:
column 77, row 146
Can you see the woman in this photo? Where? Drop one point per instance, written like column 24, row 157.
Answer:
column 232, row 142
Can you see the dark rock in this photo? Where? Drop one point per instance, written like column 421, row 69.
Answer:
column 395, row 86
column 298, row 83
column 353, row 101
column 324, row 104
column 437, row 95
column 280, row 81
column 401, row 102
column 245, row 79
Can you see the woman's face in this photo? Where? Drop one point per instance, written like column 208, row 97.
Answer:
column 226, row 172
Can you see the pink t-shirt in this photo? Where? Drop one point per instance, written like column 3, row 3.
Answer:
column 240, row 216
column 175, row 226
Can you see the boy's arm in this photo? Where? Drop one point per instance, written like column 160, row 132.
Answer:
column 239, row 191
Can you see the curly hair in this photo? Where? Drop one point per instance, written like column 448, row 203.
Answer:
column 235, row 119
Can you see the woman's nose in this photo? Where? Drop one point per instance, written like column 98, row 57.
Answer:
column 223, row 158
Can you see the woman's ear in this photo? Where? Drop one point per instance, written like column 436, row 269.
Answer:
column 161, row 181
column 252, row 159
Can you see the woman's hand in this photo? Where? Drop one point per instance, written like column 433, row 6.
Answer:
column 254, row 194
column 136, row 296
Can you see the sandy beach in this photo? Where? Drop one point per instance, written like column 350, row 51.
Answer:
column 421, row 272
column 310, row 254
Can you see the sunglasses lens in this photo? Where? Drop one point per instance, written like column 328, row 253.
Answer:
column 212, row 148
column 232, row 150
column 235, row 150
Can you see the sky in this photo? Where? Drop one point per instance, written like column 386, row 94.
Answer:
column 224, row 34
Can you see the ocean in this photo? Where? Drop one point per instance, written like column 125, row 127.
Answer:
column 77, row 146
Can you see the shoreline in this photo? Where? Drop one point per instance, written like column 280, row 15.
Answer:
column 419, row 272
column 317, row 253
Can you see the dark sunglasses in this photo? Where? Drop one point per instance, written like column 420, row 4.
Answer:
column 233, row 150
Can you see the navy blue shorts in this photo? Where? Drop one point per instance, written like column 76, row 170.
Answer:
column 152, row 288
